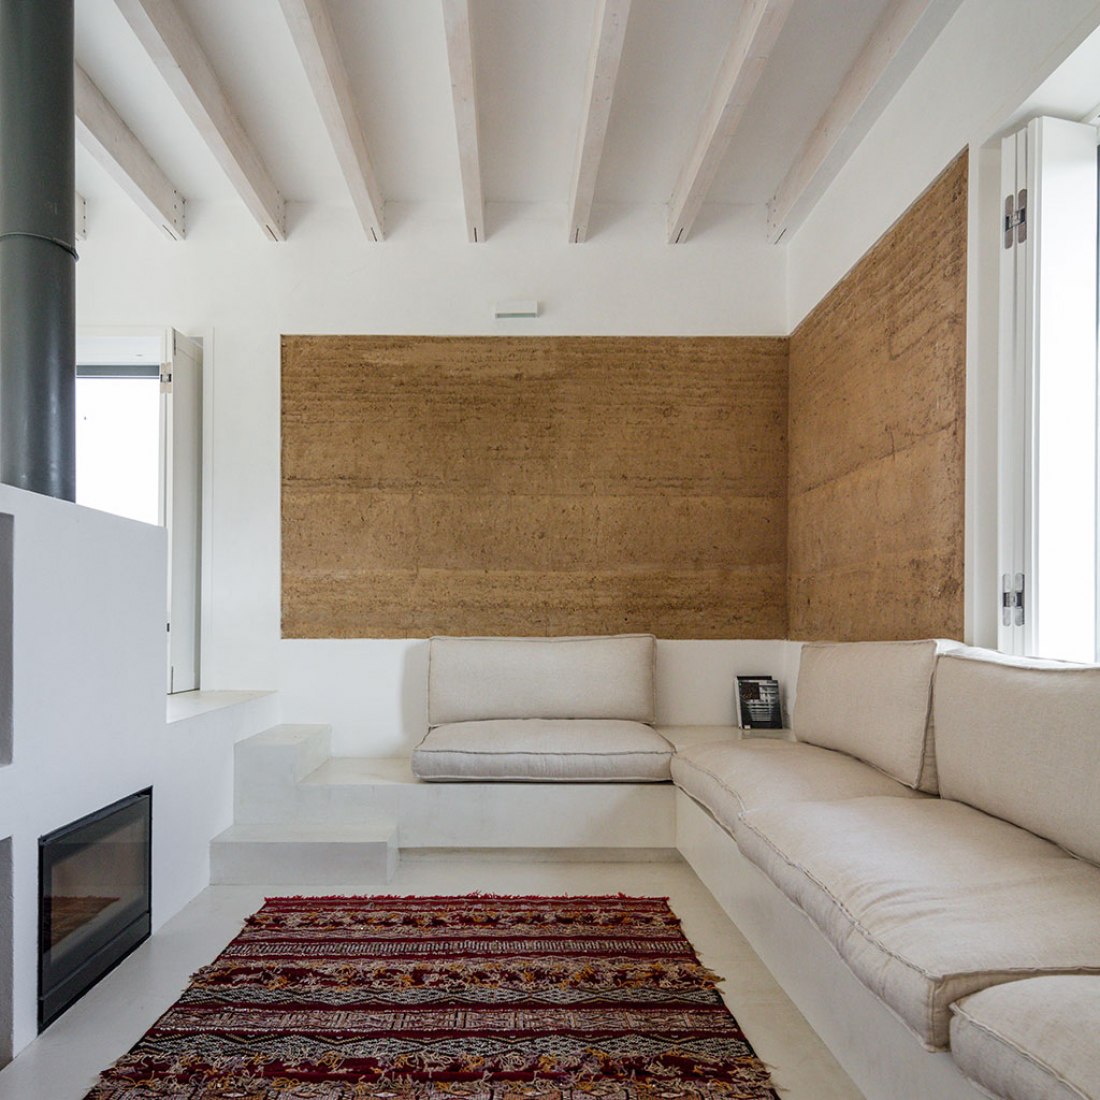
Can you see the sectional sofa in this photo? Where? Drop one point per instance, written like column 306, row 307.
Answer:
column 916, row 860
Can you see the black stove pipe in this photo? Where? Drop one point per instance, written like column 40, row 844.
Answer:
column 37, row 253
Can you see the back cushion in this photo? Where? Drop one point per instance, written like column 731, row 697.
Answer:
column 871, row 700
column 1020, row 739
column 478, row 679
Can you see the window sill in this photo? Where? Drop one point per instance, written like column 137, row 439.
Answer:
column 190, row 704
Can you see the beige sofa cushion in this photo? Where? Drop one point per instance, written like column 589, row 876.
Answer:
column 927, row 900
column 476, row 679
column 728, row 777
column 569, row 750
column 871, row 700
column 1030, row 752
column 1036, row 1038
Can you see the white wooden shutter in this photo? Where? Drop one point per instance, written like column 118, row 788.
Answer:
column 1047, row 411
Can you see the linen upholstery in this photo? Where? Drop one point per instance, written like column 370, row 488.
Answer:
column 928, row 900
column 1020, row 739
column 1035, row 1038
column 541, row 750
column 476, row 679
column 871, row 700
column 729, row 777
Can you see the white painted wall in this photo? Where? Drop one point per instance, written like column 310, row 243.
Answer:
column 89, row 717
column 230, row 285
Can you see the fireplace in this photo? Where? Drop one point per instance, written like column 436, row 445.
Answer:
column 94, row 899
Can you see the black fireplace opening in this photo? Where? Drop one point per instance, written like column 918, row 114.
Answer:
column 95, row 899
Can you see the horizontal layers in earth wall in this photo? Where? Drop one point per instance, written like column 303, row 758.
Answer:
column 877, row 430
column 534, row 486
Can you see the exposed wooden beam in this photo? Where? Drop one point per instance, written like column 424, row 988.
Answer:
column 101, row 131
column 460, row 55
column 603, row 68
column 80, row 217
column 754, row 37
column 311, row 28
column 807, row 180
column 171, row 43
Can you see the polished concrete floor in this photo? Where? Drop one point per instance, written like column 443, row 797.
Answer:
column 63, row 1062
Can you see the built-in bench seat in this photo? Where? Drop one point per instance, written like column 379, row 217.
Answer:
column 574, row 710
column 929, row 900
column 935, row 903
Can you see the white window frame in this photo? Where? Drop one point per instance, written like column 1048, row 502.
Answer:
column 1048, row 392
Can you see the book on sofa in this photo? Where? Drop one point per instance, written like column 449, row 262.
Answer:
column 758, row 703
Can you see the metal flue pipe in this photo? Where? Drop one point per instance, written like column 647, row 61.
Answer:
column 37, row 251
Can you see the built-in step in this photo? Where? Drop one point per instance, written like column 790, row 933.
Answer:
column 269, row 766
column 309, row 854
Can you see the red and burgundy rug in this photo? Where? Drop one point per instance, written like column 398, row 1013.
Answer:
column 448, row 998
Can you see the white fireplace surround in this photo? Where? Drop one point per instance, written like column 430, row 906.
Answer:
column 89, row 723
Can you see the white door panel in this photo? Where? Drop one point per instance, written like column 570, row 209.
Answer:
column 182, row 384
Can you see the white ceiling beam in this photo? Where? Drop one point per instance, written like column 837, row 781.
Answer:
column 311, row 28
column 460, row 56
column 80, row 219
column 174, row 49
column 754, row 37
column 101, row 131
column 806, row 181
column 603, row 69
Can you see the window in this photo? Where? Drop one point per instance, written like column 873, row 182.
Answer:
column 118, row 440
column 139, row 455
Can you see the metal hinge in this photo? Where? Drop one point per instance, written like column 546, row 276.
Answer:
column 1012, row 599
column 165, row 381
column 1016, row 218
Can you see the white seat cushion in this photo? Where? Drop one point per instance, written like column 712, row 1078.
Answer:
column 927, row 900
column 1036, row 1038
column 574, row 750
column 729, row 777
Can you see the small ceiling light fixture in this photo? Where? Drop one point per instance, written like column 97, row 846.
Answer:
column 518, row 308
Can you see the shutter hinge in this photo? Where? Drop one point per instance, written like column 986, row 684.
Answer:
column 165, row 381
column 1015, row 223
column 1012, row 599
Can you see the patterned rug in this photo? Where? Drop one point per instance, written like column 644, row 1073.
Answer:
column 437, row 998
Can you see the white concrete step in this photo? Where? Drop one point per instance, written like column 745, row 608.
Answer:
column 268, row 767
column 310, row 854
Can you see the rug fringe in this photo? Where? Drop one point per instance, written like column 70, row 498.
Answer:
column 476, row 894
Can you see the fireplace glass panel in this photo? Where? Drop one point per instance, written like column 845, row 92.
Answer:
column 95, row 900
